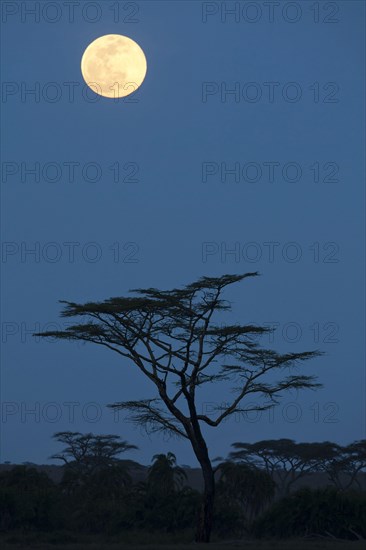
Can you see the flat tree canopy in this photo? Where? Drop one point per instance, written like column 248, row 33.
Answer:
column 173, row 338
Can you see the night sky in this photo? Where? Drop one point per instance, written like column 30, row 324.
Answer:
column 242, row 151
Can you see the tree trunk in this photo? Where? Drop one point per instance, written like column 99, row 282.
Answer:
column 205, row 520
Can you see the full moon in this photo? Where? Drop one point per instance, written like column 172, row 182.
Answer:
column 113, row 66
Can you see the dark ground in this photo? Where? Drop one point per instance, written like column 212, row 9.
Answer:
column 158, row 542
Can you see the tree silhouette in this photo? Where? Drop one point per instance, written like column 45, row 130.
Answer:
column 95, row 480
column 251, row 487
column 356, row 462
column 164, row 476
column 283, row 459
column 28, row 499
column 90, row 452
column 171, row 337
column 344, row 464
column 88, row 456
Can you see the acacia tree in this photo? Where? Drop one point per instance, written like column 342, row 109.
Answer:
column 356, row 463
column 172, row 338
column 345, row 465
column 88, row 453
column 88, row 456
column 283, row 459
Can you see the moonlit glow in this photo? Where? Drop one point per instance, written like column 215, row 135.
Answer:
column 113, row 66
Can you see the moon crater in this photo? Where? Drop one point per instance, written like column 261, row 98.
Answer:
column 113, row 65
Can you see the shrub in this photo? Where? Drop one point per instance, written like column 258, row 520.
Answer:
column 323, row 511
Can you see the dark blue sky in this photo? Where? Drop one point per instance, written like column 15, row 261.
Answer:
column 178, row 213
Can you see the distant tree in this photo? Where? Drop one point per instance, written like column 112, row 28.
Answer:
column 172, row 335
column 28, row 500
column 90, row 452
column 345, row 465
column 161, row 502
column 243, row 491
column 283, row 459
column 96, row 480
column 88, row 456
column 250, row 487
column 164, row 476
column 356, row 463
